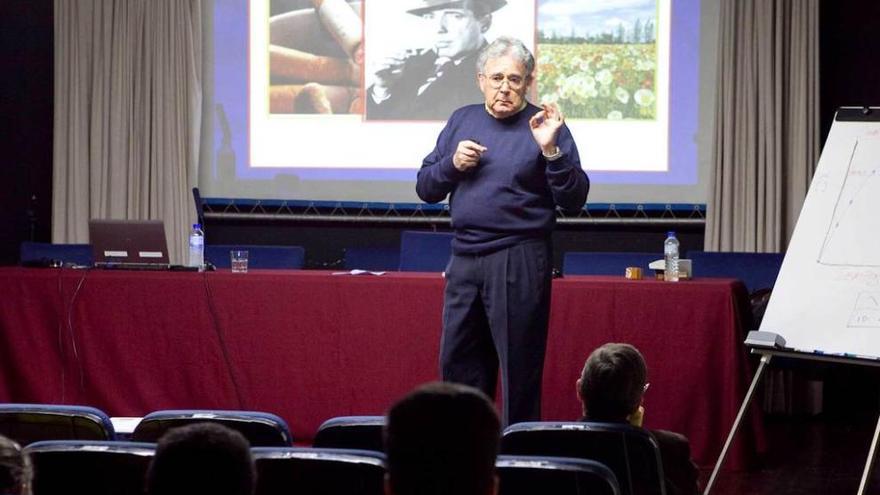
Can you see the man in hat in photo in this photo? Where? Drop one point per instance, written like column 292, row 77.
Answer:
column 430, row 84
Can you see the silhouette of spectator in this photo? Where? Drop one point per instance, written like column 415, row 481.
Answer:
column 202, row 458
column 442, row 439
column 16, row 472
column 611, row 389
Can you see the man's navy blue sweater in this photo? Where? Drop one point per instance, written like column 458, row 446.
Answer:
column 511, row 195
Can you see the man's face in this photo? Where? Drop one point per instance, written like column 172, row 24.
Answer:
column 458, row 31
column 504, row 85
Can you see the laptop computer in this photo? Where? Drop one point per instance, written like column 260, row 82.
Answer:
column 129, row 244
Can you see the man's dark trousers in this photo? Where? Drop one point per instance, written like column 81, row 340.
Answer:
column 495, row 312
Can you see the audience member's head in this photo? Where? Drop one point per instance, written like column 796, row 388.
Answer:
column 612, row 383
column 442, row 439
column 15, row 469
column 202, row 458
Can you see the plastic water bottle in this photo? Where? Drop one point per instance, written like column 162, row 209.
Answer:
column 670, row 255
column 197, row 247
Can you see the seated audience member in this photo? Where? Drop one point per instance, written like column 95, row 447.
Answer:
column 202, row 458
column 15, row 469
column 611, row 389
column 442, row 439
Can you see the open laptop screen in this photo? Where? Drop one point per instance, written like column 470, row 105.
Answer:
column 131, row 243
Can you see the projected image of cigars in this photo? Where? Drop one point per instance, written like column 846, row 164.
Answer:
column 315, row 57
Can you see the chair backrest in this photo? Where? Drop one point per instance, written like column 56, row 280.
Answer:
column 260, row 428
column 528, row 475
column 266, row 257
column 605, row 263
column 351, row 432
column 28, row 423
column 200, row 206
column 311, row 471
column 631, row 453
column 96, row 468
column 756, row 270
column 372, row 258
column 78, row 254
column 425, row 251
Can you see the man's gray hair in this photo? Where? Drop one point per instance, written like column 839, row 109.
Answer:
column 506, row 45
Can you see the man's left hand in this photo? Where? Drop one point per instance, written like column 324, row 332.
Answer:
column 545, row 126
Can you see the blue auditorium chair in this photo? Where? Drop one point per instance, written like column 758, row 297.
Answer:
column 266, row 257
column 28, row 423
column 282, row 471
column 93, row 467
column 631, row 453
column 199, row 203
column 756, row 270
column 372, row 258
column 528, row 475
column 605, row 263
column 44, row 252
column 351, row 432
column 260, row 428
column 422, row 251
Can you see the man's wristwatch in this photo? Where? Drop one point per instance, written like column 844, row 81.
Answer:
column 552, row 156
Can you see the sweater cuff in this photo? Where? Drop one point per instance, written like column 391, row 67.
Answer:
column 560, row 164
column 449, row 172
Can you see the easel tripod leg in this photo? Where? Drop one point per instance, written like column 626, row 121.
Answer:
column 765, row 360
column 869, row 464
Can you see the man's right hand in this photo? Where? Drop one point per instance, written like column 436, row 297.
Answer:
column 467, row 155
column 389, row 69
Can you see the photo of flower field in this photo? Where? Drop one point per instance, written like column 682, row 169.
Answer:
column 603, row 66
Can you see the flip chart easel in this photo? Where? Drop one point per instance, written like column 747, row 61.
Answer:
column 825, row 305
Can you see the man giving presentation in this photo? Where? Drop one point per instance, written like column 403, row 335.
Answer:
column 505, row 165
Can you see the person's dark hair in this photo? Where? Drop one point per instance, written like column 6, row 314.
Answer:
column 202, row 458
column 16, row 471
column 613, row 382
column 440, row 439
column 505, row 45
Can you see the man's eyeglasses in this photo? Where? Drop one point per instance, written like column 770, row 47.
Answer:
column 514, row 82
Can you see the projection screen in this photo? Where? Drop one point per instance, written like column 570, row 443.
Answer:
column 293, row 101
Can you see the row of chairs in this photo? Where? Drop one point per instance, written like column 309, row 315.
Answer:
column 119, row 468
column 631, row 454
column 430, row 252
column 30, row 423
column 756, row 270
column 417, row 253
column 278, row 257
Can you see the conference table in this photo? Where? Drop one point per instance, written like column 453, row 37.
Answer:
column 311, row 345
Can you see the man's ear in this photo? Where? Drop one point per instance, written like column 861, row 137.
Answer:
column 485, row 22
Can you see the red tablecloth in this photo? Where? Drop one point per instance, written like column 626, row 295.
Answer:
column 310, row 345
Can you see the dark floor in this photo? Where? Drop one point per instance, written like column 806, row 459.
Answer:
column 812, row 455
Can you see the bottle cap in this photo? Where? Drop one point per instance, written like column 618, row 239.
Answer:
column 671, row 233
column 197, row 226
